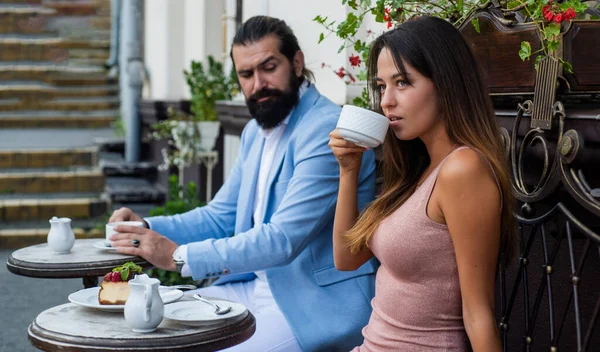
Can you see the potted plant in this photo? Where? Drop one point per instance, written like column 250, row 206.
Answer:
column 190, row 134
column 206, row 87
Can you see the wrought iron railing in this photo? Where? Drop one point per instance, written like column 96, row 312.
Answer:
column 550, row 300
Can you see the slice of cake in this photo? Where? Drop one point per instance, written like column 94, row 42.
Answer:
column 114, row 289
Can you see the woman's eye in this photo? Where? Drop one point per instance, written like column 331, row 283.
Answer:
column 381, row 88
column 402, row 83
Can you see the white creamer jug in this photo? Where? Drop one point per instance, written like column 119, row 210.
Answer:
column 61, row 238
column 144, row 308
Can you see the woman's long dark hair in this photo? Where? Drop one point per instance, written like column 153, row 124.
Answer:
column 438, row 51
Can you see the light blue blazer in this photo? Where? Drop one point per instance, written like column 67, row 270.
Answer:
column 325, row 308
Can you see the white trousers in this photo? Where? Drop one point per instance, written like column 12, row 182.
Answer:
column 273, row 333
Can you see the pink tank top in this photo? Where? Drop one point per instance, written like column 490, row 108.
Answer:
column 417, row 304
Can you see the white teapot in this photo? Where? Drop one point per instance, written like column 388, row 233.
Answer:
column 61, row 238
column 144, row 308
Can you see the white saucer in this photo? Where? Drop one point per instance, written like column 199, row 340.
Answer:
column 197, row 313
column 89, row 298
column 102, row 245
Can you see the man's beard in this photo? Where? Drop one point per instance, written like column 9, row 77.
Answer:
column 271, row 112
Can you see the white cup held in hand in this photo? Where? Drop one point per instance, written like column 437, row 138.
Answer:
column 363, row 127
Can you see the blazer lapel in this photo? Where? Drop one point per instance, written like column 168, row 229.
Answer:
column 308, row 100
column 247, row 191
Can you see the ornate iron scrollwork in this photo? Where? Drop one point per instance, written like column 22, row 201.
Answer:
column 556, row 245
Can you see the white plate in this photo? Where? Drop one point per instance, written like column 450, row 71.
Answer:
column 197, row 313
column 102, row 245
column 89, row 298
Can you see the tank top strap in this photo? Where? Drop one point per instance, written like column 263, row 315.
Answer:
column 429, row 183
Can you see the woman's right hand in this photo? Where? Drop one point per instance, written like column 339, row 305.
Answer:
column 348, row 154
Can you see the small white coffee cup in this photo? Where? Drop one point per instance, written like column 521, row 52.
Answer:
column 110, row 227
column 363, row 127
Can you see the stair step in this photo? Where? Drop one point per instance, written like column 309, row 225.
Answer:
column 134, row 190
column 65, row 104
column 50, row 138
column 55, row 50
column 36, row 209
column 126, row 169
column 59, row 75
column 36, row 91
column 20, row 2
column 77, row 8
column 47, row 158
column 20, row 238
column 58, row 119
column 52, row 181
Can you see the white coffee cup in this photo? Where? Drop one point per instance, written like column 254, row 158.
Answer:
column 363, row 127
column 110, row 227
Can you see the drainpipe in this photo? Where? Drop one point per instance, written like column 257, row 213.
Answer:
column 115, row 18
column 131, row 75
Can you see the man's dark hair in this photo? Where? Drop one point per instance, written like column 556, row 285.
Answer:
column 259, row 27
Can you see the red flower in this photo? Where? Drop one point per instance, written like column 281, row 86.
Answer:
column 558, row 18
column 355, row 60
column 545, row 9
column 549, row 16
column 570, row 14
column 352, row 79
column 322, row 65
column 387, row 18
column 340, row 72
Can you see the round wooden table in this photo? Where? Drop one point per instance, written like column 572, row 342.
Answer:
column 69, row 327
column 83, row 261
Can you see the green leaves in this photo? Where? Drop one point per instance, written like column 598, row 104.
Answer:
column 321, row 37
column 475, row 23
column 567, row 66
column 552, row 30
column 124, row 274
column 525, row 52
column 552, row 45
column 207, row 86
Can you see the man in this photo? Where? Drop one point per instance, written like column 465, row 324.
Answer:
column 279, row 202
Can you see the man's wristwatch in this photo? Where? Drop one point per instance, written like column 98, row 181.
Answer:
column 178, row 259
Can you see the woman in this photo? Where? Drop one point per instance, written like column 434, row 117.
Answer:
column 444, row 215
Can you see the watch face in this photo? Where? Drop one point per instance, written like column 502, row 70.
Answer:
column 177, row 254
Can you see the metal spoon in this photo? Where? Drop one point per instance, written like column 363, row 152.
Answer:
column 180, row 287
column 218, row 310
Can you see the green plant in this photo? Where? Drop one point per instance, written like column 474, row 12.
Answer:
column 547, row 16
column 180, row 200
column 118, row 127
column 208, row 86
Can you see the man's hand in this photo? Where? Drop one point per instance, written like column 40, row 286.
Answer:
column 124, row 214
column 153, row 247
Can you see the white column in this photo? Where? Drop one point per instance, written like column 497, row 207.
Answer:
column 164, row 48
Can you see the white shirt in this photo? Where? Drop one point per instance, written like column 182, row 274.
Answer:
column 272, row 138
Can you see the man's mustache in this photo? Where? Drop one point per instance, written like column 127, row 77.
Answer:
column 265, row 93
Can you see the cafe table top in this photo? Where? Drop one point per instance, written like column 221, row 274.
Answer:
column 84, row 261
column 70, row 327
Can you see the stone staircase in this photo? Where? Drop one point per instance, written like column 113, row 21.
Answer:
column 57, row 105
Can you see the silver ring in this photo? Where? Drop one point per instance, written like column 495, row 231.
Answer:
column 135, row 243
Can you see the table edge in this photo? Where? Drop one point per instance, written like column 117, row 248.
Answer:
column 49, row 270
column 49, row 341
